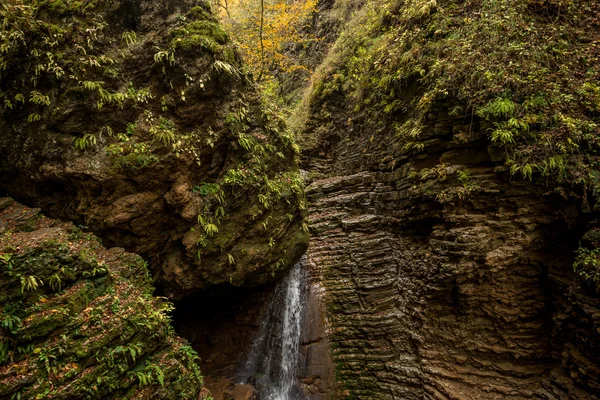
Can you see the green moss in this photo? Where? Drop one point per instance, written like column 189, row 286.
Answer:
column 228, row 54
column 199, row 34
column 201, row 12
column 133, row 161
column 527, row 74
column 90, row 334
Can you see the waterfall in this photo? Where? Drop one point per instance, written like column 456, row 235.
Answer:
column 273, row 363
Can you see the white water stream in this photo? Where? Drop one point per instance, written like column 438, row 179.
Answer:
column 273, row 364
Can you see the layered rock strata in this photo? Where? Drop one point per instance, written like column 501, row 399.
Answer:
column 446, row 250
column 466, row 299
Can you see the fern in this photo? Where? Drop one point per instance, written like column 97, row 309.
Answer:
column 39, row 99
column 225, row 67
column 246, row 142
column 30, row 283
column 165, row 132
column 84, row 142
column 162, row 136
column 219, row 212
column 499, row 107
column 55, row 282
column 503, row 136
column 211, row 229
column 130, row 38
column 11, row 323
column 165, row 56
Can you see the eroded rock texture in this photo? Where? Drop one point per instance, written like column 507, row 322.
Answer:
column 79, row 320
column 466, row 299
column 446, row 277
column 316, row 367
column 134, row 119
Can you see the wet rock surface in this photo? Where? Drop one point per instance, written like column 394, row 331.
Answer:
column 225, row 389
column 316, row 367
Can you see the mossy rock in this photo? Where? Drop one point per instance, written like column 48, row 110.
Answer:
column 200, row 33
column 79, row 321
column 119, row 109
column 523, row 74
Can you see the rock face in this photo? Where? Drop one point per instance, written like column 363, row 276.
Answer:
column 457, row 301
column 316, row 367
column 135, row 119
column 445, row 277
column 79, row 320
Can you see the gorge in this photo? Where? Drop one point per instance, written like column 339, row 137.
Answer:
column 443, row 160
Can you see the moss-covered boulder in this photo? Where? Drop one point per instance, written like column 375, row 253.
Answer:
column 136, row 119
column 79, row 321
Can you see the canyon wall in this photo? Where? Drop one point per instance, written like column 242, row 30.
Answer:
column 450, row 153
column 134, row 120
column 461, row 300
column 448, row 264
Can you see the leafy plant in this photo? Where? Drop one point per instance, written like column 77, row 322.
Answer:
column 207, row 189
column 39, row 99
column 165, row 57
column 211, row 229
column 11, row 323
column 587, row 264
column 225, row 67
column 129, row 37
column 30, row 283
column 164, row 132
column 33, row 117
column 6, row 260
column 497, row 108
column 85, row 141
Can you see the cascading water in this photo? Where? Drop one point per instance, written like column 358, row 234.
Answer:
column 273, row 364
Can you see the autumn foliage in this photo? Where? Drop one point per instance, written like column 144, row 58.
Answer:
column 266, row 31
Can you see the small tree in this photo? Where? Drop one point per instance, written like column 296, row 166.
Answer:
column 266, row 30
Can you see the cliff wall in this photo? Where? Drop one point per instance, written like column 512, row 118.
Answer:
column 136, row 119
column 446, row 208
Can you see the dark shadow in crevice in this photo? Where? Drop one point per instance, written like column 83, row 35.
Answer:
column 221, row 324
